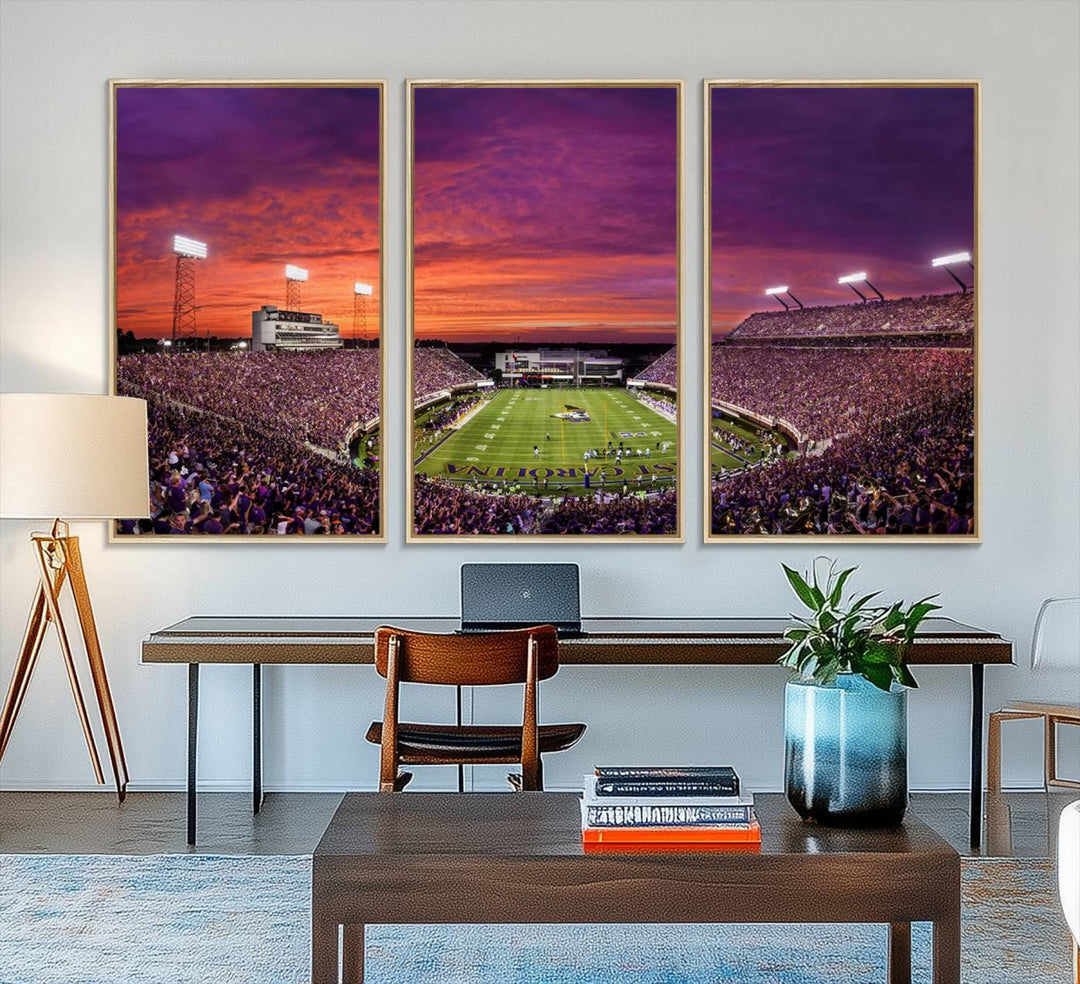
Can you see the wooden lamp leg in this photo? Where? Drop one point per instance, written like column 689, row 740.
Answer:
column 58, row 559
column 79, row 589
column 24, row 667
column 52, row 603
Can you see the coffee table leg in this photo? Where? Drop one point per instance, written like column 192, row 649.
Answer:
column 900, row 953
column 947, row 950
column 324, row 949
column 352, row 955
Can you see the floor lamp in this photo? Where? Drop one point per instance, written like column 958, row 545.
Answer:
column 76, row 457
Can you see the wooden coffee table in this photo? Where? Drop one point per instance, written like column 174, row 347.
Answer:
column 517, row 858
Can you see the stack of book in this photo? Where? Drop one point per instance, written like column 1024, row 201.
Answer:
column 680, row 806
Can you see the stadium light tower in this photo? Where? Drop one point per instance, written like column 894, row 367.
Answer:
column 359, row 308
column 946, row 262
column 294, row 277
column 187, row 252
column 777, row 291
column 860, row 278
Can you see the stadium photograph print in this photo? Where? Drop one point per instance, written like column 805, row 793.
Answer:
column 841, row 281
column 247, row 282
column 544, row 306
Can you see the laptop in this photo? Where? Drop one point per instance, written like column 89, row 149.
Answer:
column 515, row 596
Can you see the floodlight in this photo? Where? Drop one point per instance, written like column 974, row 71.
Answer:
column 776, row 290
column 295, row 273
column 964, row 257
column 860, row 278
column 183, row 246
column 359, row 288
column 166, row 342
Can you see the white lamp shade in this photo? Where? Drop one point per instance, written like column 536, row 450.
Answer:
column 1055, row 643
column 73, row 456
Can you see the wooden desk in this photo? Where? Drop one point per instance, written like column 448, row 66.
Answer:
column 619, row 641
column 517, row 858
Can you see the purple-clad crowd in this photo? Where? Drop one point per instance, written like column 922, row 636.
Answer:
column 303, row 396
column 664, row 370
column 909, row 473
column 229, row 440
column 436, row 368
column 932, row 313
column 442, row 508
column 888, row 432
column 210, row 475
column 825, row 392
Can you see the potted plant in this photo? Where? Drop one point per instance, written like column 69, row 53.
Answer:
column 845, row 713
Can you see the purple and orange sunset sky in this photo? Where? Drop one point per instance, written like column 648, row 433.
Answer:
column 810, row 184
column 546, row 213
column 266, row 176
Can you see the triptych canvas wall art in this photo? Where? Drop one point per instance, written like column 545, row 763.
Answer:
column 543, row 309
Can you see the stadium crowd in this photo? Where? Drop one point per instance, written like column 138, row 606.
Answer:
column 934, row 313
column 213, row 475
column 664, row 370
column 436, row 368
column 302, row 396
column 908, row 473
column 887, row 432
column 441, row 507
column 826, row 392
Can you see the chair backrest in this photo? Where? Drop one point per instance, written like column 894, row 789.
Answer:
column 468, row 660
column 1055, row 643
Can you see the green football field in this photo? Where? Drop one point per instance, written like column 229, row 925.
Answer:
column 496, row 443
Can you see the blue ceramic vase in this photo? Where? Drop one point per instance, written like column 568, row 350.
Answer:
column 846, row 751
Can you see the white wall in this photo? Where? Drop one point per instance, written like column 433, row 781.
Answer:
column 53, row 337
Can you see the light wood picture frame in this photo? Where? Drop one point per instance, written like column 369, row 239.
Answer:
column 825, row 415
column 247, row 305
column 521, row 198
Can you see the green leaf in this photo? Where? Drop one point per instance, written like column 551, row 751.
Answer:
column 864, row 600
column 880, row 676
column 801, row 588
column 903, row 676
column 838, row 590
column 877, row 653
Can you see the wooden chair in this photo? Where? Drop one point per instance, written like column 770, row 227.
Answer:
column 485, row 659
column 1055, row 644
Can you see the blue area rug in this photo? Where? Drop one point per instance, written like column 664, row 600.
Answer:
column 246, row 920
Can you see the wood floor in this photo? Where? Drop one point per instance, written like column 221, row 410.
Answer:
column 1021, row 824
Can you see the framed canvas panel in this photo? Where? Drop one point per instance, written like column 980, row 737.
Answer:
column 247, row 284
column 842, row 301
column 544, row 310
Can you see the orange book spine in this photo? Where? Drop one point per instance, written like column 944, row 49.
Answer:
column 750, row 834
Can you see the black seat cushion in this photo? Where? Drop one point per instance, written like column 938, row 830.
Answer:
column 474, row 742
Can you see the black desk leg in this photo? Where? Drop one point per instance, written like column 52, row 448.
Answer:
column 192, row 747
column 976, row 753
column 256, row 738
column 461, row 767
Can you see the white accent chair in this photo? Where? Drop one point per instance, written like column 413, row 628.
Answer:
column 1069, row 875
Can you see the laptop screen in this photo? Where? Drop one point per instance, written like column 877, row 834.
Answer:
column 515, row 595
